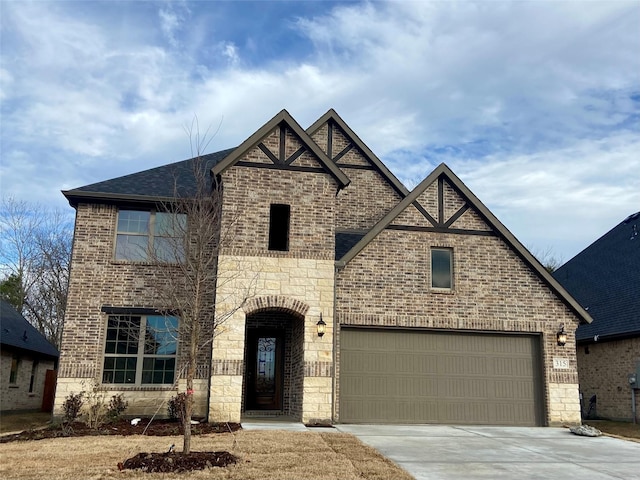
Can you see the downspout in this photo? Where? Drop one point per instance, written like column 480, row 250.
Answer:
column 335, row 345
column 339, row 266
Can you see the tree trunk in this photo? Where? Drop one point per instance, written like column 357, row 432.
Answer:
column 188, row 408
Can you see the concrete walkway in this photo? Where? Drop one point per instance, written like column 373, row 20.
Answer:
column 446, row 452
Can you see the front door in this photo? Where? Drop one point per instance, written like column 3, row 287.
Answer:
column 264, row 370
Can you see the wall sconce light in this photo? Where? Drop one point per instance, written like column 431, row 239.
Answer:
column 321, row 324
column 561, row 336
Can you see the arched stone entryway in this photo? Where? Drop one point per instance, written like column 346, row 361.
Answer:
column 274, row 357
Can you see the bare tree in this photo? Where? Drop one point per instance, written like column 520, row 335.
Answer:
column 186, row 248
column 35, row 259
column 548, row 259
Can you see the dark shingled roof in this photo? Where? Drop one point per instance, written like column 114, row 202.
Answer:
column 16, row 332
column 605, row 279
column 345, row 241
column 155, row 183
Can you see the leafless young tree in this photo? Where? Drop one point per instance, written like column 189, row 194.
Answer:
column 35, row 255
column 188, row 237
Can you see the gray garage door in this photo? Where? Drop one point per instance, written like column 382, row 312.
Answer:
column 399, row 376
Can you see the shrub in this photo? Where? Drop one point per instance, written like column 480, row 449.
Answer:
column 176, row 407
column 72, row 406
column 117, row 406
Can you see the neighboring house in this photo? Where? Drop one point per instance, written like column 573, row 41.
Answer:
column 605, row 279
column 27, row 362
column 433, row 312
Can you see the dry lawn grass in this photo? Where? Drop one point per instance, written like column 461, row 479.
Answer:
column 264, row 455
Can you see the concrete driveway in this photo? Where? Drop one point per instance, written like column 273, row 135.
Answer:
column 457, row 452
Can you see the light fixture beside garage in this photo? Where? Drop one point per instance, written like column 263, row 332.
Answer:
column 561, row 336
column 321, row 324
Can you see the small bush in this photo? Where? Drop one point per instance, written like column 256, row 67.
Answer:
column 95, row 411
column 117, row 406
column 176, row 407
column 72, row 406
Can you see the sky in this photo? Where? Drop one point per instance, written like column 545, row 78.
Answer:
column 535, row 105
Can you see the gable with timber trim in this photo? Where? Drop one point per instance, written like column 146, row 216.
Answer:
column 373, row 190
column 282, row 144
column 441, row 206
column 443, row 223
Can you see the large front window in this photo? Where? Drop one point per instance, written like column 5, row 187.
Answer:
column 140, row 350
column 148, row 236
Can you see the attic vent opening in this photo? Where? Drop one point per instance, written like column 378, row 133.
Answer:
column 279, row 227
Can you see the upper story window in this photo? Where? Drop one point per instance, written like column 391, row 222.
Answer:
column 442, row 268
column 147, row 236
column 279, row 227
column 140, row 350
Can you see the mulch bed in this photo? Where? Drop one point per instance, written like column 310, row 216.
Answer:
column 158, row 427
column 178, row 462
column 146, row 462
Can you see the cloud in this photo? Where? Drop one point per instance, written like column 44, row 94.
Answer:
column 544, row 98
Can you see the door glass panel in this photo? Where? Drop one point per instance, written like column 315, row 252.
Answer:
column 266, row 365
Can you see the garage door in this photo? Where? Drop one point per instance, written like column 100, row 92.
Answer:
column 398, row 376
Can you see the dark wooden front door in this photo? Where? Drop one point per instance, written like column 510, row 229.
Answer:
column 264, row 370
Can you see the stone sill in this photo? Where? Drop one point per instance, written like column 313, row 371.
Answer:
column 138, row 388
column 443, row 291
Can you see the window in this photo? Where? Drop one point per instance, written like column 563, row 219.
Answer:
column 442, row 268
column 34, row 373
column 279, row 227
column 15, row 365
column 160, row 233
column 140, row 350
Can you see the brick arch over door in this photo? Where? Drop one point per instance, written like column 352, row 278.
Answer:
column 276, row 303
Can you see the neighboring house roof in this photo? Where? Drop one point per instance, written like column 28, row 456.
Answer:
column 17, row 332
column 155, row 184
column 445, row 172
column 605, row 279
column 283, row 118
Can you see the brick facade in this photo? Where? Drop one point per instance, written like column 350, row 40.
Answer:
column 603, row 369
column 387, row 284
column 97, row 280
column 16, row 396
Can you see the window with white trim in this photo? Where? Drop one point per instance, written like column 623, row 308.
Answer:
column 149, row 235
column 442, row 268
column 140, row 350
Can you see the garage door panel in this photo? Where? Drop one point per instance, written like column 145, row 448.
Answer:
column 426, row 377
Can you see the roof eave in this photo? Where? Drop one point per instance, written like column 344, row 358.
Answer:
column 77, row 196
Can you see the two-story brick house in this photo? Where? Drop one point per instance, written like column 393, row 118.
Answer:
column 430, row 310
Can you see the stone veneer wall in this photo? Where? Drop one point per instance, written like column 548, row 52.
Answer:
column 97, row 280
column 603, row 372
column 16, row 396
column 388, row 285
column 299, row 281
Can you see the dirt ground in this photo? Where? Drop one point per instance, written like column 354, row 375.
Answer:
column 14, row 422
column 620, row 429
